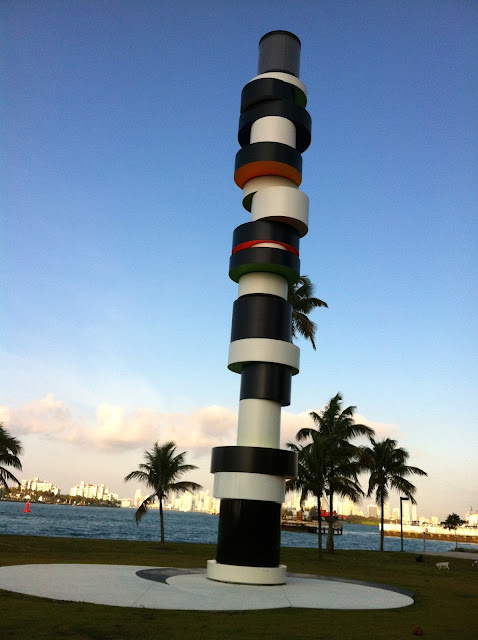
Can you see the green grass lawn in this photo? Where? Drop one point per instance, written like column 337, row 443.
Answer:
column 446, row 602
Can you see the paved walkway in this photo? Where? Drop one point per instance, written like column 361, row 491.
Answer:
column 169, row 588
column 461, row 555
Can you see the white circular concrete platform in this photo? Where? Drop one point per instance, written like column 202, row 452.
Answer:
column 119, row 585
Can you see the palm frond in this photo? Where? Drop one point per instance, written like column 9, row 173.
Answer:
column 139, row 474
column 143, row 508
column 10, row 449
column 6, row 476
column 10, row 460
column 301, row 298
column 185, row 485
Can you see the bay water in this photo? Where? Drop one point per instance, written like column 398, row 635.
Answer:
column 67, row 521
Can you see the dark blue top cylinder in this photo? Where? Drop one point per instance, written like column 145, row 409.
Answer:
column 279, row 51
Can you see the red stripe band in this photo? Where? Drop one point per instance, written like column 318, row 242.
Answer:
column 251, row 243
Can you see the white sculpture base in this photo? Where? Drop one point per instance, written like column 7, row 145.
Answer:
column 246, row 575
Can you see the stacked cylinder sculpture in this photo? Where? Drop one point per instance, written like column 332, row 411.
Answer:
column 274, row 130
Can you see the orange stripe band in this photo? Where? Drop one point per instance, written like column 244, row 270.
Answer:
column 266, row 168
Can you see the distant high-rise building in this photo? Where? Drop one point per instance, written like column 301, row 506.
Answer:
column 187, row 501
column 372, row 511
column 345, row 508
column 472, row 518
column 386, row 510
column 349, row 507
column 138, row 498
column 85, row 490
column 40, row 486
column 293, row 500
column 206, row 503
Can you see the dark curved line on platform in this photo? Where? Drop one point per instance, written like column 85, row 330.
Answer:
column 163, row 573
column 365, row 583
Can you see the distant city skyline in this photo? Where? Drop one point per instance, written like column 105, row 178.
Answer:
column 120, row 132
column 184, row 501
column 202, row 501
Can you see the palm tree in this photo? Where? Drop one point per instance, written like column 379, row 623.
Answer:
column 301, row 297
column 10, row 449
column 161, row 471
column 311, row 475
column 452, row 522
column 387, row 464
column 337, row 427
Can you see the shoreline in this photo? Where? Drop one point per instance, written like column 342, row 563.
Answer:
column 390, row 531
column 61, row 504
column 438, row 533
column 441, row 537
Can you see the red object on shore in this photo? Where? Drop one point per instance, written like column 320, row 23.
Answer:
column 27, row 508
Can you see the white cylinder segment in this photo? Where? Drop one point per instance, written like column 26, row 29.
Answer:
column 258, row 423
column 237, row 574
column 273, row 129
column 249, row 486
column 282, row 203
column 285, row 77
column 260, row 182
column 263, row 350
column 272, row 245
column 263, row 282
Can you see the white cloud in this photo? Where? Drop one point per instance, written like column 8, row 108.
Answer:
column 382, row 429
column 201, row 429
column 292, row 422
column 115, row 428
column 46, row 416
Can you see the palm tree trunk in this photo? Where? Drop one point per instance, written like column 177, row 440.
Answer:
column 382, row 533
column 330, row 532
column 161, row 517
column 319, row 527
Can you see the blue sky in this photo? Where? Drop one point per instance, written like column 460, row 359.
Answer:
column 119, row 144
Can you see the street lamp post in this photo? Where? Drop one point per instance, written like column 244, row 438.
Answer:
column 401, row 522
